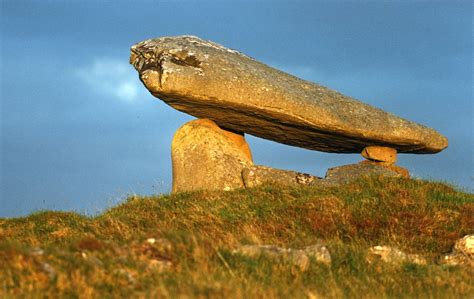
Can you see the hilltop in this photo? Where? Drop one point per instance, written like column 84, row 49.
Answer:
column 185, row 244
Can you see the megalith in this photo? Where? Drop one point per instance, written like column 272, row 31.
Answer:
column 233, row 94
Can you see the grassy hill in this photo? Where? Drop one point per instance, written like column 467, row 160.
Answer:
column 182, row 245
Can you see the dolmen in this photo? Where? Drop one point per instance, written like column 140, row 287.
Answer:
column 232, row 94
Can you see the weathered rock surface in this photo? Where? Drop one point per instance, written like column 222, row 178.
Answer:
column 393, row 255
column 299, row 257
column 347, row 173
column 257, row 174
column 400, row 170
column 206, row 157
column 206, row 80
column 380, row 154
column 462, row 253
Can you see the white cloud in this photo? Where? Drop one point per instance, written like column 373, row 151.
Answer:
column 111, row 78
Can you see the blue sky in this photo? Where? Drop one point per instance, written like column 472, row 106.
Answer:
column 79, row 131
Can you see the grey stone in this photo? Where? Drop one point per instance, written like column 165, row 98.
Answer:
column 299, row 257
column 348, row 173
column 393, row 255
column 207, row 80
column 462, row 253
column 257, row 174
column 206, row 157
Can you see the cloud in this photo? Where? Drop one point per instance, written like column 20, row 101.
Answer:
column 111, row 78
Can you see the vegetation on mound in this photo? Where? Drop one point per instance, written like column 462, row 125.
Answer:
column 173, row 245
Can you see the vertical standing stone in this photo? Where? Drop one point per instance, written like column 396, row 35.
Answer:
column 207, row 157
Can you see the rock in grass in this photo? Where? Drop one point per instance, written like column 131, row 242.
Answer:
column 403, row 172
column 348, row 173
column 298, row 257
column 393, row 255
column 465, row 246
column 319, row 252
column 206, row 157
column 462, row 253
column 257, row 175
column 207, row 80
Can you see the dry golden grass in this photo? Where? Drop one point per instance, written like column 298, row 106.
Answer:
column 62, row 254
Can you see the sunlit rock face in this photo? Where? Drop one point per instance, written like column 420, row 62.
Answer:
column 207, row 80
column 206, row 157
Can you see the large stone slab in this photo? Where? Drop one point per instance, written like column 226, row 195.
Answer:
column 207, row 80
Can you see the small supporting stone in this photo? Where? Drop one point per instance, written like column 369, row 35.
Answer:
column 207, row 157
column 380, row 154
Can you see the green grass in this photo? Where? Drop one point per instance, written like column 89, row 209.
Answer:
column 63, row 254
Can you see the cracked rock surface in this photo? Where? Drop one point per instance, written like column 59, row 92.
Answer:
column 207, row 80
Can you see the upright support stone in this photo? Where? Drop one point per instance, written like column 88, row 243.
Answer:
column 207, row 157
